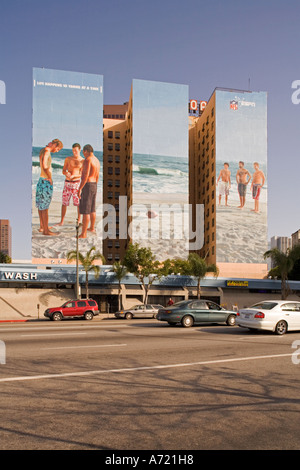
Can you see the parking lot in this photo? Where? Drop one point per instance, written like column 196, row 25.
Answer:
column 141, row 384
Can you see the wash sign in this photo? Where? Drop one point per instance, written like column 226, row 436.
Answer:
column 19, row 276
column 2, row 92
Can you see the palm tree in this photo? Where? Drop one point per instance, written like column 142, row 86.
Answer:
column 197, row 267
column 120, row 271
column 4, row 258
column 87, row 263
column 284, row 263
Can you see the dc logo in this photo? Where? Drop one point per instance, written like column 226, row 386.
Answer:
column 2, row 92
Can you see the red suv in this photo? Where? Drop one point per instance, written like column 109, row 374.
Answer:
column 86, row 308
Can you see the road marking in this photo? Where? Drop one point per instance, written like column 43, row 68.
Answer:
column 50, row 328
column 141, row 368
column 89, row 346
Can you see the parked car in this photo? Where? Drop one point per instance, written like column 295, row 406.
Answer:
column 86, row 308
column 273, row 315
column 189, row 312
column 139, row 311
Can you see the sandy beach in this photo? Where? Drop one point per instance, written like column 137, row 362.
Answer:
column 161, row 222
column 57, row 247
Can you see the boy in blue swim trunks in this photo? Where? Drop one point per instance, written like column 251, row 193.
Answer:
column 44, row 189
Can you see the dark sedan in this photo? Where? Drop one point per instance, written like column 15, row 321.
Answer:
column 189, row 312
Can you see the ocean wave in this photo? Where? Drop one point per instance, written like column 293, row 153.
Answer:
column 157, row 171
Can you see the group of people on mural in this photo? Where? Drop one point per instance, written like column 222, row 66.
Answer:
column 243, row 178
column 82, row 176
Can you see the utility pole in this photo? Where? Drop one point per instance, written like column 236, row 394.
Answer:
column 77, row 262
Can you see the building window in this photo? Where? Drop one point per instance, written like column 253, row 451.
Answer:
column 117, row 135
column 110, row 134
column 117, row 158
column 117, row 147
column 110, row 170
column 117, row 171
column 110, row 146
column 110, row 158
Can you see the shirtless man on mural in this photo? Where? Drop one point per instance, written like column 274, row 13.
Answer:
column 242, row 178
column 88, row 190
column 44, row 189
column 257, row 183
column 72, row 170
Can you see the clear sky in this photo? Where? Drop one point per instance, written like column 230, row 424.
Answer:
column 153, row 121
column 220, row 43
column 68, row 106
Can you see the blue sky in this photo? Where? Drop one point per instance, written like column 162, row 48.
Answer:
column 220, row 43
column 153, row 121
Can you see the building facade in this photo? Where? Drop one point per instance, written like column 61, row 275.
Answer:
column 228, row 175
column 295, row 238
column 116, row 180
column 5, row 237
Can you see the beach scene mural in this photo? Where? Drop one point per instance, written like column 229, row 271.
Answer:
column 160, row 167
column 67, row 112
column 241, row 176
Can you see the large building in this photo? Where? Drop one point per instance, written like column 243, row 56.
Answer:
column 295, row 238
column 116, row 179
column 5, row 237
column 166, row 173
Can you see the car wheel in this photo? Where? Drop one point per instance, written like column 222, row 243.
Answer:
column 281, row 327
column 230, row 320
column 187, row 321
column 128, row 316
column 88, row 316
column 56, row 316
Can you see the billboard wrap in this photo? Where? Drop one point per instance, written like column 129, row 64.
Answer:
column 160, row 167
column 67, row 149
column 241, row 170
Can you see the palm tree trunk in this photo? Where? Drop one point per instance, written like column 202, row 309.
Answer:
column 87, row 284
column 146, row 294
column 198, row 288
column 284, row 288
column 119, row 297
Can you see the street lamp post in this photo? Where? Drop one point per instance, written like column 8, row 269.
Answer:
column 77, row 261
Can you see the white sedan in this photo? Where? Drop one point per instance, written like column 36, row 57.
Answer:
column 277, row 316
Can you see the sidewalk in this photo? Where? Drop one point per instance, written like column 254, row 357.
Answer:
column 14, row 317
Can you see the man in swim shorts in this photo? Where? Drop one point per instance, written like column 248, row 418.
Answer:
column 257, row 183
column 224, row 183
column 44, row 189
column 242, row 178
column 88, row 190
column 72, row 170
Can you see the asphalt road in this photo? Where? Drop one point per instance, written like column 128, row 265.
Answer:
column 141, row 384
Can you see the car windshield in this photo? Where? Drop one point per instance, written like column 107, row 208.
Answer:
column 179, row 303
column 265, row 305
